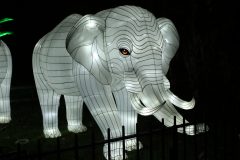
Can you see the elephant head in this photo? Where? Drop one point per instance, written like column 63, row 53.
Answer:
column 129, row 45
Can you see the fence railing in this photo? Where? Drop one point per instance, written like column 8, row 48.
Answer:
column 221, row 143
column 22, row 154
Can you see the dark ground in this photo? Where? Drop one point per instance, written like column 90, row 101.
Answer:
column 206, row 65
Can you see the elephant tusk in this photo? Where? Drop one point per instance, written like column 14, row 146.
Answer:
column 141, row 109
column 179, row 102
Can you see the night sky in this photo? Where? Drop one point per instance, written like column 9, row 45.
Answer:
column 206, row 65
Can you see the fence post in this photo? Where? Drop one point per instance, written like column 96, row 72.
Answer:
column 175, row 145
column 163, row 140
column 195, row 143
column 93, row 144
column 109, row 148
column 39, row 150
column 151, row 139
column 205, row 141
column 19, row 151
column 123, row 136
column 137, row 139
column 58, row 148
column 76, row 146
column 215, row 142
column 184, row 139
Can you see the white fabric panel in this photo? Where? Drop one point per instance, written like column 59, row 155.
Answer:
column 74, row 106
column 5, row 82
column 55, row 62
column 53, row 74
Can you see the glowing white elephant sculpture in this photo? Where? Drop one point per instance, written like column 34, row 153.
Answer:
column 5, row 81
column 122, row 52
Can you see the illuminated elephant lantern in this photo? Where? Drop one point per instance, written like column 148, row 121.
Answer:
column 5, row 81
column 116, row 62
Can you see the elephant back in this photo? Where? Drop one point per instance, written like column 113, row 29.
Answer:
column 55, row 61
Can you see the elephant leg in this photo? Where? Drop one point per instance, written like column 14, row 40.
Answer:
column 100, row 103
column 49, row 101
column 105, row 113
column 5, row 111
column 74, row 106
column 128, row 117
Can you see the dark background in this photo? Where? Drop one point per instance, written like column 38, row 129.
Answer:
column 206, row 65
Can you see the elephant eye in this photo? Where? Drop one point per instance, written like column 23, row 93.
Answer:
column 124, row 51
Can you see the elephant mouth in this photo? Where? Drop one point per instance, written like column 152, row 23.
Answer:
column 142, row 107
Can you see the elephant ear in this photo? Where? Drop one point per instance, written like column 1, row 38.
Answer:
column 171, row 41
column 85, row 44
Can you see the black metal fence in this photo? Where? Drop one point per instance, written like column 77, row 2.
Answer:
column 161, row 133
column 221, row 142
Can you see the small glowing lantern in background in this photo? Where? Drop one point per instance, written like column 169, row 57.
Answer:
column 5, row 76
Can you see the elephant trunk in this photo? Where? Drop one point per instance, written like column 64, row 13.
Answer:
column 156, row 95
column 147, row 102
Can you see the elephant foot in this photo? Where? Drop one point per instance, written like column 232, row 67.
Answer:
column 116, row 151
column 5, row 119
column 190, row 130
column 77, row 128
column 52, row 133
column 131, row 144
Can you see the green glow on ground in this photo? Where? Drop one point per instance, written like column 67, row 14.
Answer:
column 5, row 20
